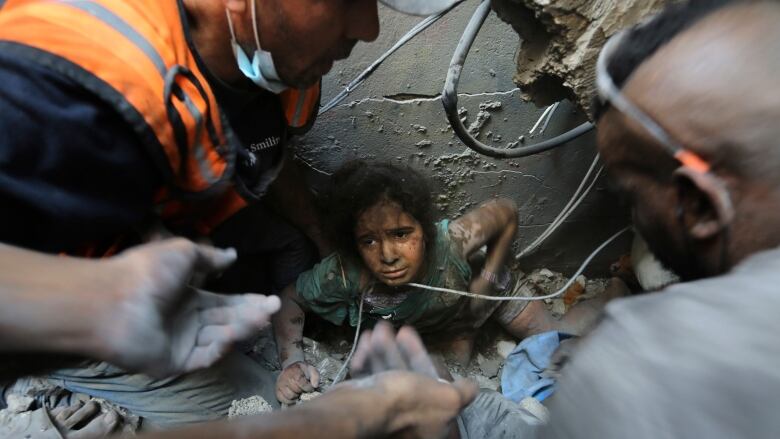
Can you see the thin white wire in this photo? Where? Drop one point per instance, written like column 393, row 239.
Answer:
column 549, row 117
column 528, row 299
column 553, row 227
column 337, row 379
column 566, row 211
column 541, row 118
column 419, row 27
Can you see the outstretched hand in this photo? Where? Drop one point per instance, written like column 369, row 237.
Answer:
column 162, row 326
column 381, row 350
column 423, row 406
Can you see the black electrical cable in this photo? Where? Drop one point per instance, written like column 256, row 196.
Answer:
column 450, row 100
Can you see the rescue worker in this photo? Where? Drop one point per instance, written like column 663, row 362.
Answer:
column 688, row 111
column 118, row 115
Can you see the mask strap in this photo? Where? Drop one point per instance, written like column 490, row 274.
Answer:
column 230, row 26
column 254, row 25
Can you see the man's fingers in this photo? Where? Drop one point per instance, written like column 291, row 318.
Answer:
column 210, row 259
column 215, row 334
column 252, row 308
column 414, row 350
column 205, row 356
column 386, row 347
column 359, row 365
column 207, row 299
column 467, row 391
column 230, row 333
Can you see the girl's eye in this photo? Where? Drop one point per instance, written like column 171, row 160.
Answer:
column 367, row 242
column 401, row 234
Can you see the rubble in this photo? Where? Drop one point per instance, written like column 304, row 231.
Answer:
column 306, row 397
column 504, row 348
column 561, row 40
column 489, row 366
column 19, row 403
column 254, row 405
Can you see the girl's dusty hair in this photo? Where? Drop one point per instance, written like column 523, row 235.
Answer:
column 360, row 184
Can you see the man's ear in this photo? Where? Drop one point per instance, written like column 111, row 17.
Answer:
column 706, row 205
column 236, row 6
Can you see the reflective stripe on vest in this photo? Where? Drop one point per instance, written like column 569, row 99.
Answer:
column 300, row 106
column 139, row 49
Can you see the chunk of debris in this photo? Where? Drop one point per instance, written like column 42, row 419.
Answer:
column 561, row 41
column 505, row 347
column 420, row 128
column 575, row 291
column 490, row 106
column 546, row 273
column 482, row 118
column 306, row 397
column 489, row 366
column 424, row 144
column 253, row 405
column 19, row 403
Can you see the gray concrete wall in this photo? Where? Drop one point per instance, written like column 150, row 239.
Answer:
column 397, row 116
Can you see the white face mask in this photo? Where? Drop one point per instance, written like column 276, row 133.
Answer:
column 260, row 69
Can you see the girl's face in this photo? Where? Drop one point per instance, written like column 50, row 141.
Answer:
column 391, row 243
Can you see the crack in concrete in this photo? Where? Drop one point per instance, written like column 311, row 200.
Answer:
column 522, row 174
column 406, row 101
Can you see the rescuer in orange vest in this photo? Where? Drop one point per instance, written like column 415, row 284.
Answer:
column 119, row 115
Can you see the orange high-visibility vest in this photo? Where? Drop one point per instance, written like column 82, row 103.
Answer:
column 134, row 54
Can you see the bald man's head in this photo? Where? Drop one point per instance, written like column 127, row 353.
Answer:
column 710, row 77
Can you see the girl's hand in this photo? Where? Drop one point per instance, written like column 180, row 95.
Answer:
column 296, row 379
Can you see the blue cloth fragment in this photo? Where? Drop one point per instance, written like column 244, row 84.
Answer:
column 522, row 376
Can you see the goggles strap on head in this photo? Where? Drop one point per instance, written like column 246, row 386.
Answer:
column 609, row 93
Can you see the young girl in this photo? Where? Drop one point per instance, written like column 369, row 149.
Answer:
column 381, row 220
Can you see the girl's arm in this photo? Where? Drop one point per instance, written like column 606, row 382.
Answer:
column 494, row 224
column 297, row 376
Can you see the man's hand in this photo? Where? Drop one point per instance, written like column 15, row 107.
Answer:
column 417, row 406
column 381, row 350
column 160, row 325
column 296, row 379
column 423, row 406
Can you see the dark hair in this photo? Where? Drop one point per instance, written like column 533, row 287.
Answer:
column 644, row 40
column 359, row 184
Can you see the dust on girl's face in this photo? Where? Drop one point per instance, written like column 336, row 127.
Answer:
column 391, row 243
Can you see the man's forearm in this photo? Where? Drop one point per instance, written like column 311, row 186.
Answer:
column 351, row 413
column 288, row 329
